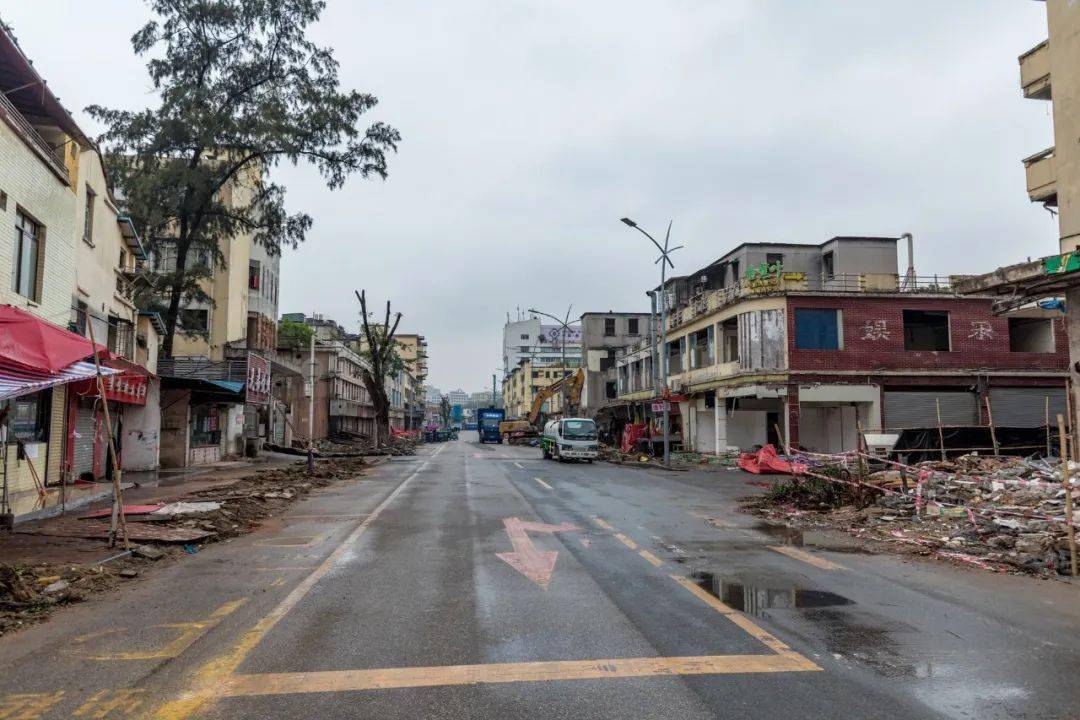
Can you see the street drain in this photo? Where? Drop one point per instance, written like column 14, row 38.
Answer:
column 755, row 599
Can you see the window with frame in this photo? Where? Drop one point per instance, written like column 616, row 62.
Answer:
column 195, row 319
column 28, row 416
column 632, row 326
column 818, row 329
column 253, row 275
column 828, row 266
column 88, row 217
column 926, row 330
column 26, row 268
column 774, row 259
column 609, row 326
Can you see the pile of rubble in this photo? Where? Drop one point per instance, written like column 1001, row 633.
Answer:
column 30, row 592
column 361, row 446
column 242, row 504
column 1002, row 513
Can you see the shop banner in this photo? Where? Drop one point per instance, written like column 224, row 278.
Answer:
column 258, row 379
column 126, row 388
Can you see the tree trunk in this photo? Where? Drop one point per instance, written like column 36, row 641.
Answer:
column 176, row 293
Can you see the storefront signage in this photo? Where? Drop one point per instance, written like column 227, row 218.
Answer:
column 126, row 388
column 658, row 407
column 258, row 379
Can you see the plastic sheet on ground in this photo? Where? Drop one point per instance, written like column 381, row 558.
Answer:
column 766, row 461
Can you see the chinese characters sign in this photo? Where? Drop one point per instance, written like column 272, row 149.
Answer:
column 126, row 388
column 258, row 379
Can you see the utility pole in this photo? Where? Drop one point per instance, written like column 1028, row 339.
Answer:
column 565, row 333
column 664, row 261
column 311, row 408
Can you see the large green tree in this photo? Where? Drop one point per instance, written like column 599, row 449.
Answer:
column 241, row 89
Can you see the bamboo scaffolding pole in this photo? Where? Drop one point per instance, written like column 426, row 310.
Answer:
column 990, row 421
column 1070, row 527
column 1048, row 450
column 117, row 520
column 940, row 430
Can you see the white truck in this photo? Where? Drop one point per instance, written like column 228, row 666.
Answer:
column 570, row 439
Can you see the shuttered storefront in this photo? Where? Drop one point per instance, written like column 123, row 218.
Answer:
column 1026, row 407
column 83, row 440
column 917, row 408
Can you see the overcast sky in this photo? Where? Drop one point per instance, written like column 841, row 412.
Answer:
column 531, row 126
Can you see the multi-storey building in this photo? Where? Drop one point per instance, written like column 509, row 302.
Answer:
column 457, row 397
column 412, row 349
column 1050, row 72
column 520, row 387
column 602, row 336
column 529, row 339
column 816, row 342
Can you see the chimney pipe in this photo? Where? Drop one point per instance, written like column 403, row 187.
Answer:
column 909, row 277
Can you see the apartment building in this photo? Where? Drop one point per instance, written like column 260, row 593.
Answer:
column 540, row 344
column 521, row 386
column 109, row 259
column 818, row 341
column 412, row 348
column 602, row 336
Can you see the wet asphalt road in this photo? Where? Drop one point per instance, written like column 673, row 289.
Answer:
column 479, row 581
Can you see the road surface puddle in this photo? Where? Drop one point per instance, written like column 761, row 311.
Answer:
column 811, row 538
column 756, row 599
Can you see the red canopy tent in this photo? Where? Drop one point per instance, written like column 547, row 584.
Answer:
column 29, row 342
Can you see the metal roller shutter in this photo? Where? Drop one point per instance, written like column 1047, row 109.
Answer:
column 916, row 408
column 1026, row 407
column 85, row 426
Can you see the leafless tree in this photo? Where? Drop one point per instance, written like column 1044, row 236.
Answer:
column 383, row 361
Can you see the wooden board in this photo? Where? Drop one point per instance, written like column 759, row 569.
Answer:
column 141, row 532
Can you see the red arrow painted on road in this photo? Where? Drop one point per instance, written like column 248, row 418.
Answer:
column 537, row 565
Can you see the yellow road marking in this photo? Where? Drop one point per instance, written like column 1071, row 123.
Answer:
column 543, row 483
column 385, row 678
column 743, row 622
column 626, row 541
column 278, row 582
column 125, row 702
column 602, row 523
column 189, row 632
column 802, row 555
column 208, row 679
column 27, row 706
column 656, row 562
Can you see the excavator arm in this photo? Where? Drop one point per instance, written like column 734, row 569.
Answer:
column 574, row 382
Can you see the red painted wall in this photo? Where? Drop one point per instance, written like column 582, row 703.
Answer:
column 969, row 350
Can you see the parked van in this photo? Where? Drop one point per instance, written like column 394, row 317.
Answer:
column 570, row 439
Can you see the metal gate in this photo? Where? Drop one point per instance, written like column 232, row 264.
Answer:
column 917, row 408
column 1026, row 407
column 83, row 441
column 705, row 431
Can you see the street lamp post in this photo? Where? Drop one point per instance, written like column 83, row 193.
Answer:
column 562, row 346
column 664, row 261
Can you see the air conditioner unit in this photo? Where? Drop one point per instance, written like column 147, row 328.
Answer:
column 704, row 280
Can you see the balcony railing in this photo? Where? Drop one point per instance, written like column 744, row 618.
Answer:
column 1041, row 170
column 707, row 303
column 1035, row 72
column 32, row 136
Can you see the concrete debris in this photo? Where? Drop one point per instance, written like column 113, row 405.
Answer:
column 148, row 552
column 178, row 509
column 1004, row 513
column 58, row 586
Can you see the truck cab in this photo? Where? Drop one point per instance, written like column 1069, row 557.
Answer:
column 487, row 424
column 570, row 439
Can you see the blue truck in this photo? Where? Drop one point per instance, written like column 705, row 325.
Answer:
column 487, row 421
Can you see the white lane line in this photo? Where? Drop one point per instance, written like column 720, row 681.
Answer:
column 543, row 483
column 519, row 465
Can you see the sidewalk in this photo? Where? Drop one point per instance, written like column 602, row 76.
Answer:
column 24, row 546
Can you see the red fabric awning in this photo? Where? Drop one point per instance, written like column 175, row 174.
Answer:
column 28, row 341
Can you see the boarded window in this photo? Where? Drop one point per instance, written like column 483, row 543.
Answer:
column 1031, row 335
column 817, row 329
column 926, row 330
column 761, row 339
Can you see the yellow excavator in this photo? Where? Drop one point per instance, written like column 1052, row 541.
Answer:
column 516, row 432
